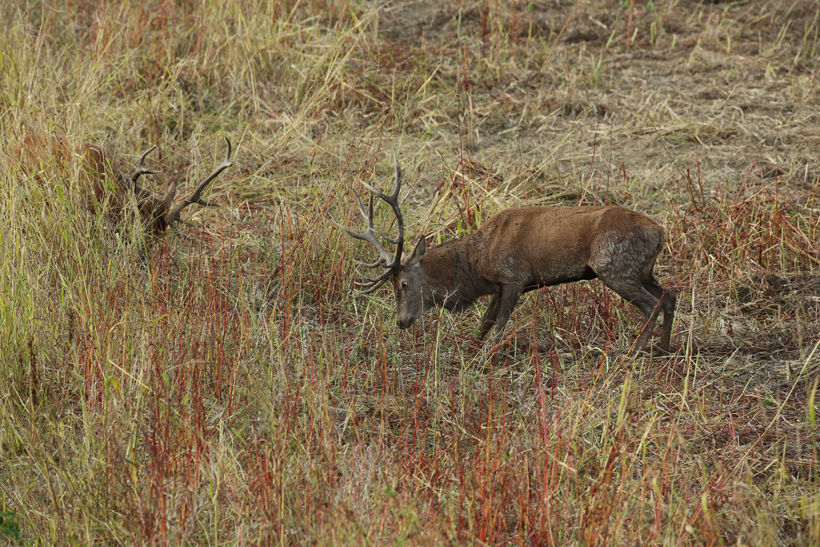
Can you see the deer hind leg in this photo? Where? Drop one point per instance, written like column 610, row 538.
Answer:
column 668, row 300
column 631, row 290
column 488, row 320
column 642, row 299
column 624, row 262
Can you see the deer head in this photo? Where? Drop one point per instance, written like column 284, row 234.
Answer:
column 158, row 213
column 412, row 296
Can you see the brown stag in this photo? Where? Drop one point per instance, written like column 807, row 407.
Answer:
column 101, row 180
column 520, row 250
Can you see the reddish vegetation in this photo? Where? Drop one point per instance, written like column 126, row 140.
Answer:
column 233, row 388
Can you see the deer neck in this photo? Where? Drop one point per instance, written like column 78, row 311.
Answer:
column 451, row 274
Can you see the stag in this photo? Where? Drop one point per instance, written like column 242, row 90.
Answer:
column 101, row 180
column 520, row 250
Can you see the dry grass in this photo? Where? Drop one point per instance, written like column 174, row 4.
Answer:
column 233, row 389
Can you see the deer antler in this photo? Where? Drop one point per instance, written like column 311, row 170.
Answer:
column 141, row 169
column 371, row 235
column 195, row 197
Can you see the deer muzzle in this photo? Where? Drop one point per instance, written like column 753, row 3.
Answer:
column 406, row 322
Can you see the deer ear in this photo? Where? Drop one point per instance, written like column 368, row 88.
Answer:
column 418, row 252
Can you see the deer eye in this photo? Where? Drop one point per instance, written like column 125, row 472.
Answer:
column 404, row 284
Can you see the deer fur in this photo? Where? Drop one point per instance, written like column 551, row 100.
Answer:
column 520, row 250
column 100, row 179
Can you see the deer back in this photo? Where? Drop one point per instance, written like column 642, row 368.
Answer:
column 89, row 170
column 552, row 245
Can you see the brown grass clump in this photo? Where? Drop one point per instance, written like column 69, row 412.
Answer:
column 229, row 387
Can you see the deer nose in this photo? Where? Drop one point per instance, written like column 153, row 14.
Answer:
column 403, row 324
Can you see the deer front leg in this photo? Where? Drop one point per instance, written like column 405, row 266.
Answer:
column 488, row 320
column 508, row 299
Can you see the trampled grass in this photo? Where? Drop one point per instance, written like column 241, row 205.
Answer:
column 228, row 385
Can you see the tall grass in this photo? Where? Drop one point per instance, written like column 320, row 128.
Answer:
column 227, row 385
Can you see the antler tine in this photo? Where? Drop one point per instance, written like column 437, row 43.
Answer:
column 371, row 280
column 141, row 169
column 371, row 284
column 195, row 197
column 369, row 264
column 369, row 235
column 368, row 213
column 393, row 201
column 374, row 287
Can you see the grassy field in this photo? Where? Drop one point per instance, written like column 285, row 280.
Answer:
column 232, row 388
